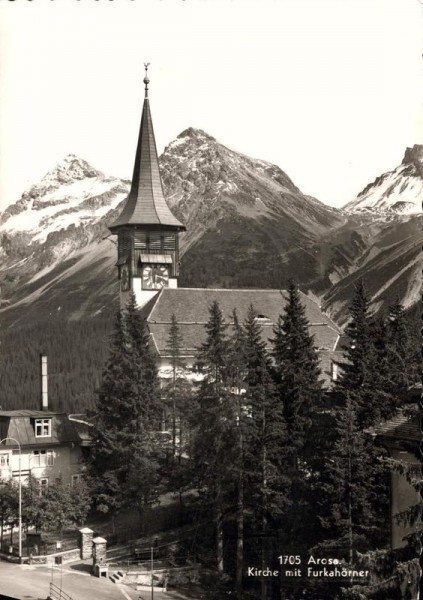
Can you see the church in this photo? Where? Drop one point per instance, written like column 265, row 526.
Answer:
column 148, row 266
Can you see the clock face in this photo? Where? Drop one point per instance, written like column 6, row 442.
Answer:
column 155, row 277
column 124, row 278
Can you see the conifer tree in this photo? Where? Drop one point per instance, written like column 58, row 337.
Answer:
column 179, row 401
column 403, row 359
column 296, row 371
column 354, row 489
column 380, row 361
column 296, row 374
column 174, row 347
column 213, row 353
column 127, row 416
column 214, row 420
column 266, row 430
column 146, row 404
column 266, row 485
column 388, row 378
column 237, row 373
column 360, row 370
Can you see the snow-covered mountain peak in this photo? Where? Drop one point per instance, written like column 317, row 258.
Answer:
column 72, row 168
column 72, row 193
column 414, row 156
column 67, row 171
column 397, row 192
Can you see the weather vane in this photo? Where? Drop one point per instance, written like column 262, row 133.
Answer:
column 146, row 79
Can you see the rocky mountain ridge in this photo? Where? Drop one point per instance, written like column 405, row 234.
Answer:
column 248, row 225
column 206, row 183
column 399, row 191
column 69, row 195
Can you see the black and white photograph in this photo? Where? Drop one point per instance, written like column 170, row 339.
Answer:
column 210, row 299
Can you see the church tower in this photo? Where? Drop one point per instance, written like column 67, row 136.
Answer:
column 147, row 231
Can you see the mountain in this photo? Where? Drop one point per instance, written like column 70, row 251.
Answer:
column 386, row 218
column 386, row 254
column 206, row 182
column 70, row 194
column 397, row 192
column 54, row 231
column 248, row 225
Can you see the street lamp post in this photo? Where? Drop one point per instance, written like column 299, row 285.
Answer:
column 20, row 493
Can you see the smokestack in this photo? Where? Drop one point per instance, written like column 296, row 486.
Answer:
column 44, row 382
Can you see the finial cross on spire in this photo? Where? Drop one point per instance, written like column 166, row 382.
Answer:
column 146, row 79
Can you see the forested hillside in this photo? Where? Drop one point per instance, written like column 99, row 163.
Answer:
column 76, row 350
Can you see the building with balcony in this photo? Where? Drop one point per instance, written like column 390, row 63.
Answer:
column 52, row 446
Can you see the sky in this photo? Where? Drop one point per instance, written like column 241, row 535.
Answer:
column 329, row 90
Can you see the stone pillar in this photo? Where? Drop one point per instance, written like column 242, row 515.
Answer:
column 86, row 543
column 99, row 551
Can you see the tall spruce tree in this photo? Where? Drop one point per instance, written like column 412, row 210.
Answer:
column 174, row 347
column 360, row 370
column 126, row 438
column 266, row 431
column 403, row 357
column 213, row 422
column 296, row 371
column 237, row 372
column 380, row 361
column 213, row 353
column 178, row 396
column 266, row 485
column 389, row 379
column 354, row 492
column 296, row 374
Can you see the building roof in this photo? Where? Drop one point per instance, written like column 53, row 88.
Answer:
column 404, row 426
column 191, row 309
column 20, row 425
column 146, row 204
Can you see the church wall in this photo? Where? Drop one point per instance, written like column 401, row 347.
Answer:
column 141, row 296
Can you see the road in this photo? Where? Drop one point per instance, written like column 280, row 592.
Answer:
column 32, row 583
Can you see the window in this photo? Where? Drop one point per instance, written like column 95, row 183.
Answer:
column 4, row 460
column 75, row 479
column 42, row 458
column 42, row 427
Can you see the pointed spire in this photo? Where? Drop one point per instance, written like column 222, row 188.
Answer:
column 146, row 204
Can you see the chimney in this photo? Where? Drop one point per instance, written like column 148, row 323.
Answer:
column 44, row 382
